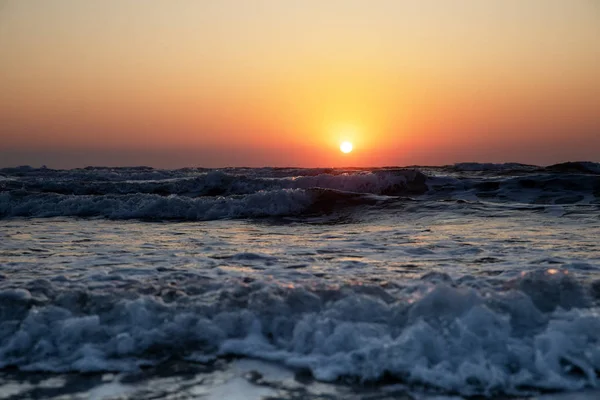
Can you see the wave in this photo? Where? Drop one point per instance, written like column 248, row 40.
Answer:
column 504, row 167
column 276, row 203
column 200, row 194
column 154, row 207
column 219, row 183
column 538, row 332
column 585, row 167
column 531, row 188
column 204, row 196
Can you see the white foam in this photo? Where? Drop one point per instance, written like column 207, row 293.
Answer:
column 454, row 339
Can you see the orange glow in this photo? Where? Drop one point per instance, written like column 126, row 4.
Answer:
column 230, row 83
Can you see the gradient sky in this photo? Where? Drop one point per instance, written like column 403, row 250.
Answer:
column 282, row 83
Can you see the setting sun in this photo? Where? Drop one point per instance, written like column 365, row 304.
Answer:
column 346, row 147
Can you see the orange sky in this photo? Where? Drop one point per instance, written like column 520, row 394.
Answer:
column 270, row 82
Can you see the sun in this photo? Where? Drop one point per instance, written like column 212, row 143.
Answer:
column 346, row 147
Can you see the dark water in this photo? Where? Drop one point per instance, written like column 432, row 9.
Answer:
column 468, row 280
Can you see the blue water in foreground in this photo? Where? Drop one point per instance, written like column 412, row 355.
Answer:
column 472, row 279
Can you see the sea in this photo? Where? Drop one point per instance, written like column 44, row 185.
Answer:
column 473, row 280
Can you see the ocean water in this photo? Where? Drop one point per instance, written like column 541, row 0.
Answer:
column 238, row 283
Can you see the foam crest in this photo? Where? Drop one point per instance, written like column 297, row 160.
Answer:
column 453, row 338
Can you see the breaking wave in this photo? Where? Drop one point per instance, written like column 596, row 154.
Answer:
column 216, row 183
column 201, row 194
column 211, row 195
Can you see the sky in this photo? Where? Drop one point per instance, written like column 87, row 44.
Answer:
column 282, row 83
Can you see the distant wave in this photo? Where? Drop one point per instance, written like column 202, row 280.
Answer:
column 585, row 167
column 509, row 167
column 204, row 194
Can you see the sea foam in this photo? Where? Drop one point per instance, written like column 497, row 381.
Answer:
column 450, row 337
